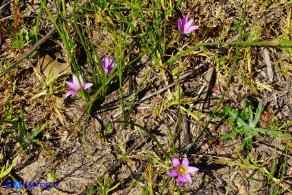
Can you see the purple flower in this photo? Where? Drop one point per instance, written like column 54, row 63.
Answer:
column 76, row 86
column 182, row 170
column 185, row 26
column 108, row 66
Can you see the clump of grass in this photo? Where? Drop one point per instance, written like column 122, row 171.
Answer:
column 20, row 134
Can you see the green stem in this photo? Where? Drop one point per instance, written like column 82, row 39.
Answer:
column 179, row 119
column 240, row 43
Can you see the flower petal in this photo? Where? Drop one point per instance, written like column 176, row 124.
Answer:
column 188, row 178
column 191, row 29
column 70, row 85
column 75, row 81
column 175, row 162
column 185, row 20
column 180, row 179
column 188, row 25
column 87, row 85
column 71, row 92
column 106, row 71
column 112, row 63
column 105, row 62
column 185, row 162
column 110, row 67
column 192, row 169
column 173, row 173
column 81, row 80
column 179, row 24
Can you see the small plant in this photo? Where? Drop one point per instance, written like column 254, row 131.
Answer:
column 104, row 185
column 5, row 169
column 236, row 25
column 245, row 122
column 23, row 136
column 24, row 37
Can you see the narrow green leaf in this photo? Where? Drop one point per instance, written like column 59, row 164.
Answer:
column 5, row 170
column 257, row 115
column 240, row 122
column 38, row 130
column 273, row 133
column 250, row 118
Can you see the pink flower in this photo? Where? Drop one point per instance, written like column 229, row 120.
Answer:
column 108, row 66
column 182, row 170
column 76, row 86
column 185, row 26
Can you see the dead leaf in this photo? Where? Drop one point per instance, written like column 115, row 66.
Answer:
column 49, row 67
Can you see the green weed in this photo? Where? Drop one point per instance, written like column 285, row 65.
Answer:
column 245, row 122
column 20, row 134
column 5, row 169
column 24, row 37
column 104, row 185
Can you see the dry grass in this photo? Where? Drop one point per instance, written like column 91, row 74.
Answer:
column 149, row 98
